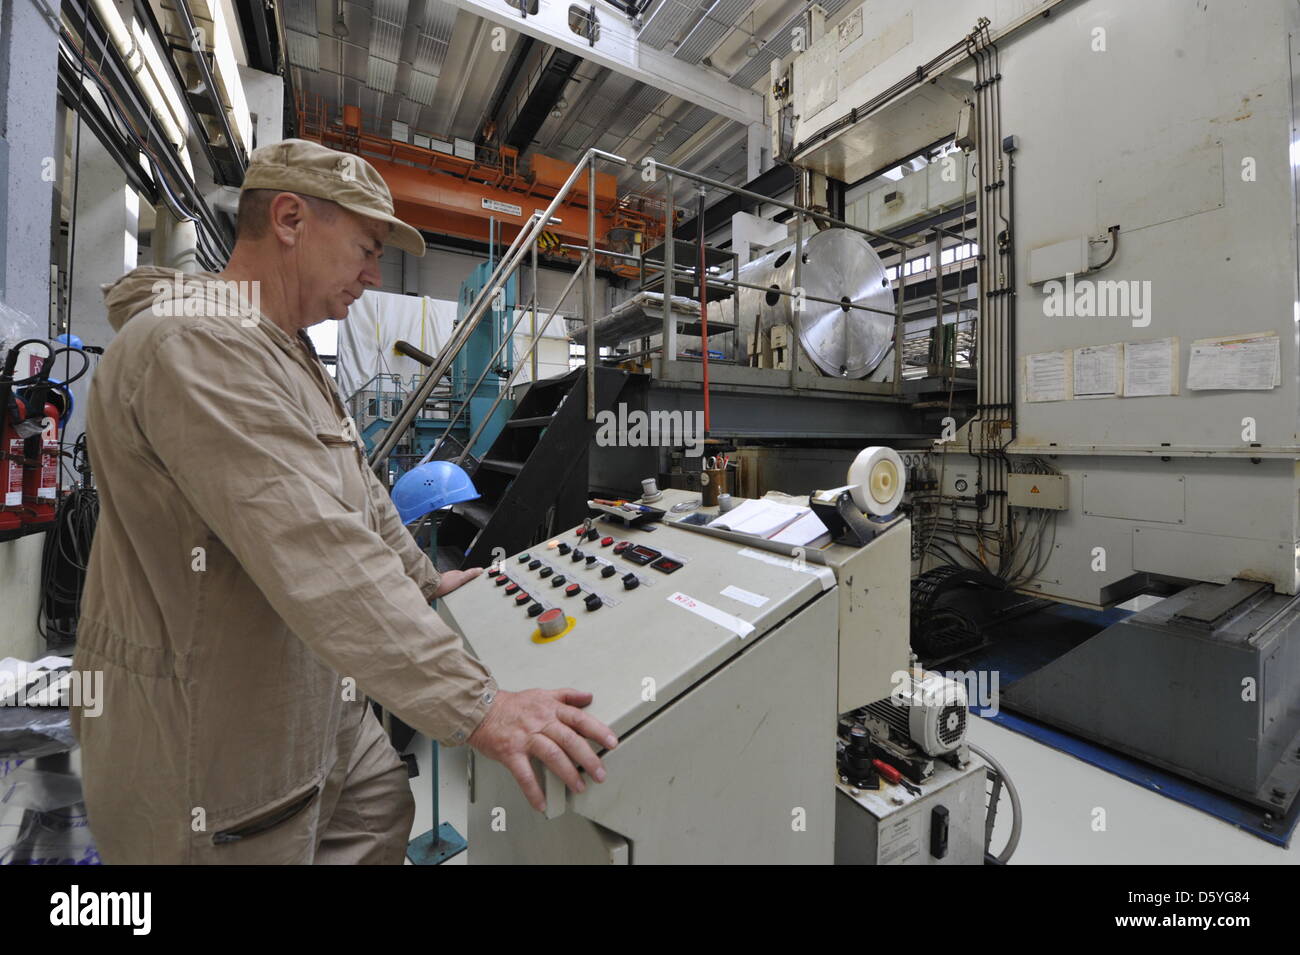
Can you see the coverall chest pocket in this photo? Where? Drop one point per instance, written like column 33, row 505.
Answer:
column 348, row 460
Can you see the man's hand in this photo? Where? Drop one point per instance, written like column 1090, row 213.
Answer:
column 547, row 725
column 452, row 579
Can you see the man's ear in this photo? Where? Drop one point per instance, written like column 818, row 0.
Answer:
column 288, row 212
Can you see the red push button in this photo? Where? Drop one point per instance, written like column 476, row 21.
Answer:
column 622, row 546
column 570, row 590
column 552, row 622
column 522, row 598
column 606, row 541
column 511, row 588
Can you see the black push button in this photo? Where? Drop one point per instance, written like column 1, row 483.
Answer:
column 545, row 572
column 557, row 580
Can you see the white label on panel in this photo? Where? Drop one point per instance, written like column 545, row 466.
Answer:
column 741, row 628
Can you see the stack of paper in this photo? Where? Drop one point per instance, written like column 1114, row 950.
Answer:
column 771, row 520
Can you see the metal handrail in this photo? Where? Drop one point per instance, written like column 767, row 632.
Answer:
column 526, row 240
column 487, row 366
column 509, row 262
column 537, row 337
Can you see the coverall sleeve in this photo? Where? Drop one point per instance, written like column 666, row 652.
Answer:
column 415, row 562
column 212, row 408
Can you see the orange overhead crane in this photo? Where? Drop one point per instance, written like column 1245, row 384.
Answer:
column 456, row 196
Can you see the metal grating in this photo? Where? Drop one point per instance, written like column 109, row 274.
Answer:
column 430, row 51
column 381, row 74
column 720, row 20
column 304, row 50
column 777, row 47
column 386, row 38
column 668, row 20
column 300, row 16
column 421, row 87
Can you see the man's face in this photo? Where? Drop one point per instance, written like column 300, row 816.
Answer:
column 339, row 260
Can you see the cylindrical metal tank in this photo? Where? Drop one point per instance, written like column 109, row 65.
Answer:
column 836, row 340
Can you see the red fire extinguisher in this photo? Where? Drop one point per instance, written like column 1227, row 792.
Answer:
column 11, row 472
column 41, row 472
column 33, row 409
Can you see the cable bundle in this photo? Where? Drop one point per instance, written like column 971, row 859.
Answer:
column 63, row 566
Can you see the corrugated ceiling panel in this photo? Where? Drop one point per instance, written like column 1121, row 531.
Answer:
column 776, row 48
column 669, row 19
column 708, row 33
column 300, row 16
column 303, row 50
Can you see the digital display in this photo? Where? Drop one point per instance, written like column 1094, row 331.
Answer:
column 641, row 554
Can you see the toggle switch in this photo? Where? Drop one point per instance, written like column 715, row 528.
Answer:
column 565, row 548
column 593, row 602
column 576, row 556
column 608, row 571
column 592, row 533
column 631, row 582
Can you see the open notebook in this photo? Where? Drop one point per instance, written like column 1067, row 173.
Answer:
column 772, row 520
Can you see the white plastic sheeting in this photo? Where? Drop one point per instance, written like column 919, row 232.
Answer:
column 376, row 322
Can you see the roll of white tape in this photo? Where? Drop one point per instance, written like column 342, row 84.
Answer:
column 879, row 480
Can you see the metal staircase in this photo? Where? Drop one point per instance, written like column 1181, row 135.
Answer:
column 533, row 477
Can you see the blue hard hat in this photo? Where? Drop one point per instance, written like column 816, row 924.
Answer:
column 428, row 487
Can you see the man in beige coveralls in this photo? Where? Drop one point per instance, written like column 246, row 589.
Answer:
column 251, row 582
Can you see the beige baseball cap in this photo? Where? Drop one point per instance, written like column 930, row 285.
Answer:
column 310, row 169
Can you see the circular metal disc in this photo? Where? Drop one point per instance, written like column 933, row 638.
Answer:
column 844, row 342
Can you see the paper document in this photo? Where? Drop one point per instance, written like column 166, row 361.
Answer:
column 1151, row 368
column 759, row 518
column 1098, row 371
column 806, row 529
column 1047, row 376
column 1248, row 363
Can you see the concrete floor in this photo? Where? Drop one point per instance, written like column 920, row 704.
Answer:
column 1060, row 795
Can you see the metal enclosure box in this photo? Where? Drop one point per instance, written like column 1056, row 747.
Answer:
column 1049, row 491
column 871, row 829
column 722, row 678
column 1206, row 683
